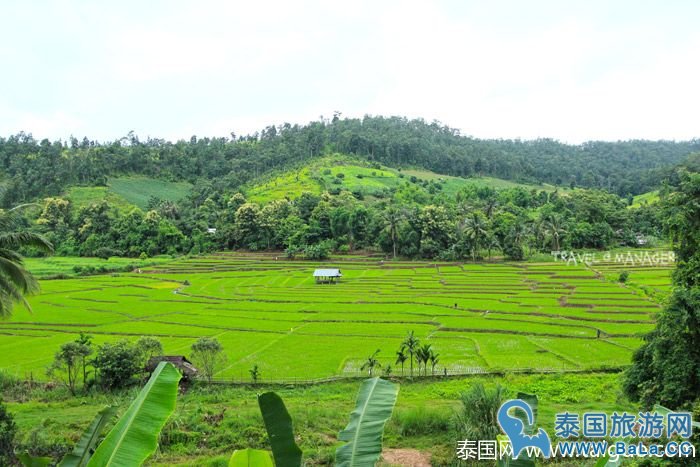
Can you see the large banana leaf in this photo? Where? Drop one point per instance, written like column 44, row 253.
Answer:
column 279, row 428
column 364, row 432
column 250, row 458
column 135, row 435
column 82, row 451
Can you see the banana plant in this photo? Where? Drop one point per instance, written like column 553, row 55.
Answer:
column 80, row 456
column 280, row 431
column 364, row 432
column 135, row 435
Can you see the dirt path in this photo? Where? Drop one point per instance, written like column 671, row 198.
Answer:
column 405, row 458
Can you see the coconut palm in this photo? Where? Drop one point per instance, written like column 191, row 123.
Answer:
column 371, row 363
column 401, row 358
column 555, row 229
column 392, row 218
column 15, row 281
column 423, row 356
column 476, row 230
column 434, row 359
column 410, row 344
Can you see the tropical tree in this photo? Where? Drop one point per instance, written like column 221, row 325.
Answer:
column 423, row 355
column 434, row 359
column 254, row 373
column 208, row 355
column 475, row 229
column 67, row 361
column 392, row 218
column 554, row 228
column 401, row 358
column 410, row 345
column 15, row 281
column 371, row 363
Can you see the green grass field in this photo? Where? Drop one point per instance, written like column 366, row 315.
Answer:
column 645, row 199
column 357, row 176
column 127, row 192
column 479, row 317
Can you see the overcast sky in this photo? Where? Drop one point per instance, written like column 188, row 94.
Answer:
column 570, row 70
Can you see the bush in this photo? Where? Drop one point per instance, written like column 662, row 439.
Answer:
column 622, row 278
column 117, row 364
column 318, row 251
column 477, row 418
column 340, row 175
column 8, row 429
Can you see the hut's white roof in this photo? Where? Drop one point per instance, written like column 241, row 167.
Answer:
column 327, row 273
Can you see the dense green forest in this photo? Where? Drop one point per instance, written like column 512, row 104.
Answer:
column 414, row 217
column 43, row 168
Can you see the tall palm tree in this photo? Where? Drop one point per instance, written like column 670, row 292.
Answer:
column 15, row 281
column 434, row 359
column 423, row 356
column 410, row 344
column 401, row 358
column 392, row 218
column 476, row 230
column 555, row 228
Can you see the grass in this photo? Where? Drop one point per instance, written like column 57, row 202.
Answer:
column 479, row 317
column 645, row 199
column 423, row 417
column 127, row 192
column 138, row 190
column 359, row 177
column 84, row 196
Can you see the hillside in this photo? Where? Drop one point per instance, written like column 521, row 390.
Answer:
column 367, row 180
column 127, row 192
column 32, row 169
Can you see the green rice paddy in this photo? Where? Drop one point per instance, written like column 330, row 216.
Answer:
column 267, row 311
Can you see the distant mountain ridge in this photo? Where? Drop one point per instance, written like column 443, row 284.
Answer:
column 33, row 169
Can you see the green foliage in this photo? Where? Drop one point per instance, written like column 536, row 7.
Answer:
column 622, row 278
column 116, row 364
column 250, row 458
column 363, row 434
column 666, row 369
column 8, row 429
column 280, row 431
column 207, row 354
column 477, row 418
column 134, row 437
column 84, row 448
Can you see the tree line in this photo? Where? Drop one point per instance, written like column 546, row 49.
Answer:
column 477, row 222
column 34, row 169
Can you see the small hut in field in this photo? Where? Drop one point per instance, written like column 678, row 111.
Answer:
column 327, row 276
column 180, row 361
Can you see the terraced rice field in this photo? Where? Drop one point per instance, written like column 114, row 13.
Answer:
column 270, row 312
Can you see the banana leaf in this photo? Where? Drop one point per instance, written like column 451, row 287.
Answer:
column 364, row 432
column 82, row 451
column 279, row 428
column 27, row 460
column 135, row 436
column 250, row 458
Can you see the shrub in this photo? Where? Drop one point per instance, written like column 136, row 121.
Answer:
column 622, row 278
column 340, row 175
column 477, row 418
column 8, row 429
column 117, row 364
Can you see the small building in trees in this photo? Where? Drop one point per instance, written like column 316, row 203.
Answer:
column 327, row 276
column 180, row 361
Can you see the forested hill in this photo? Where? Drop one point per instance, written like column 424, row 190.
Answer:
column 32, row 168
